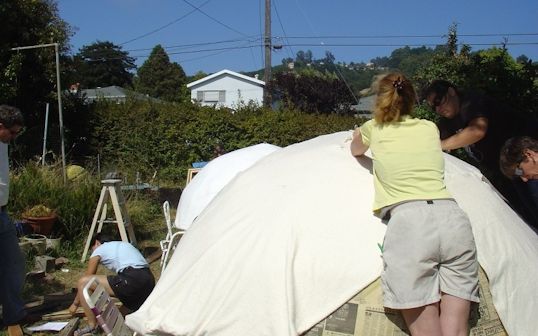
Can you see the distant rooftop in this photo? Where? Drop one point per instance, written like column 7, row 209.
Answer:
column 113, row 93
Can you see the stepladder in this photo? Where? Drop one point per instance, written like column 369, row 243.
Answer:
column 111, row 194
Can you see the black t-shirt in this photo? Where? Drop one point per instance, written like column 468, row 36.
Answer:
column 472, row 106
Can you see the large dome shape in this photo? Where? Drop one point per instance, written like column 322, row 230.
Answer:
column 212, row 178
column 292, row 238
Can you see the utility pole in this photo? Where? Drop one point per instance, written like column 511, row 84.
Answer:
column 267, row 99
column 59, row 92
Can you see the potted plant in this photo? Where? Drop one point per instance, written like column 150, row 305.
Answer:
column 41, row 218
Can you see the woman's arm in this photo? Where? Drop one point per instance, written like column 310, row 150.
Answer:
column 358, row 148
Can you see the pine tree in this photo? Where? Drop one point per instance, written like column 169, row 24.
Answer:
column 160, row 78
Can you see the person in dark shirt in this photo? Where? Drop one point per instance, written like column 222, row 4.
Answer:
column 469, row 121
column 480, row 125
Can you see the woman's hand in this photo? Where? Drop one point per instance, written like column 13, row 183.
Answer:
column 356, row 132
column 357, row 147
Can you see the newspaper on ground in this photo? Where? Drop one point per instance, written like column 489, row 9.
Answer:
column 364, row 315
column 49, row 326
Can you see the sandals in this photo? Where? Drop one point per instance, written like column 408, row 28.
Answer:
column 87, row 330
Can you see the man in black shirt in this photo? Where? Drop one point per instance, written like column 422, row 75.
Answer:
column 480, row 125
column 469, row 121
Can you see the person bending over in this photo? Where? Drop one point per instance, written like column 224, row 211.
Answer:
column 430, row 270
column 131, row 285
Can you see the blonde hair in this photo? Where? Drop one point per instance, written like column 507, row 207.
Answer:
column 396, row 97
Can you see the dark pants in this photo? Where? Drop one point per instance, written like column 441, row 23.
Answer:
column 11, row 272
column 132, row 286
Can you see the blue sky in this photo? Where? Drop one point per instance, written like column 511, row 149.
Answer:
column 227, row 34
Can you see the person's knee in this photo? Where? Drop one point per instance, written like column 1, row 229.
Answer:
column 83, row 281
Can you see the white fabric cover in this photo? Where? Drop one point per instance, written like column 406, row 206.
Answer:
column 212, row 178
column 507, row 247
column 292, row 238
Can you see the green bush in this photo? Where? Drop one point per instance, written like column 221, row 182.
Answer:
column 74, row 202
column 163, row 139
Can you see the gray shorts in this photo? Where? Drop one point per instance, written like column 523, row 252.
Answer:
column 429, row 248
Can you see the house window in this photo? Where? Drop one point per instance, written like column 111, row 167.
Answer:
column 211, row 96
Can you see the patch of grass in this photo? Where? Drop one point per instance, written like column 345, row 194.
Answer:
column 146, row 216
column 75, row 204
column 74, row 201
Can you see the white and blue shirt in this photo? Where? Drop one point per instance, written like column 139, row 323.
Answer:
column 118, row 255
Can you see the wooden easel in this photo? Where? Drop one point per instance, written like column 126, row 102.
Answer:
column 190, row 174
column 111, row 191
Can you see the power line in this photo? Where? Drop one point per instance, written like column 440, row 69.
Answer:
column 219, row 22
column 212, row 18
column 410, row 45
column 261, row 17
column 194, row 44
column 409, row 36
column 290, row 52
column 162, row 27
column 206, row 56
column 325, row 45
column 254, row 38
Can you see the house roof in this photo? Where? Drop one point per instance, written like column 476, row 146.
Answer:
column 113, row 92
column 105, row 92
column 226, row 72
column 365, row 103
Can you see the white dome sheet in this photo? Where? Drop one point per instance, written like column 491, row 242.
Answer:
column 292, row 238
column 212, row 178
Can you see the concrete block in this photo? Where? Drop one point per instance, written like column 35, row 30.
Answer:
column 45, row 263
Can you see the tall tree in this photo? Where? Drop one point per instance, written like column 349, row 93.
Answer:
column 160, row 78
column 104, row 64
column 28, row 77
column 312, row 92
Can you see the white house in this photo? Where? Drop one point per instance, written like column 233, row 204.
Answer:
column 227, row 89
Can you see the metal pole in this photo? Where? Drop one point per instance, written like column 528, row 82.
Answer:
column 35, row 46
column 267, row 73
column 45, row 134
column 59, row 92
column 60, row 114
column 98, row 166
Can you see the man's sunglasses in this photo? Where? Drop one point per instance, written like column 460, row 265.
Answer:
column 518, row 171
column 440, row 99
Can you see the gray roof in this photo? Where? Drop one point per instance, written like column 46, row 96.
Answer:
column 105, row 92
column 114, row 93
column 366, row 103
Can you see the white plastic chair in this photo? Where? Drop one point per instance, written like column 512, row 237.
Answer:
column 169, row 243
column 103, row 307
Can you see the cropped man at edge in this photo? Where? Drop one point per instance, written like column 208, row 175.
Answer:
column 12, row 260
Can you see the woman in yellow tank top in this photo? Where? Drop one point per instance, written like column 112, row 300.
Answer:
column 430, row 270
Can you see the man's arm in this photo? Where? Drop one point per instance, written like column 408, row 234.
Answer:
column 357, row 147
column 474, row 132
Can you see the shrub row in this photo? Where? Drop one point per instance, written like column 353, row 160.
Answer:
column 165, row 139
